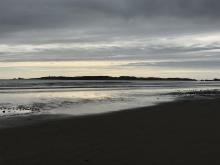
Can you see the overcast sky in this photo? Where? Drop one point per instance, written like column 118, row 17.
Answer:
column 162, row 38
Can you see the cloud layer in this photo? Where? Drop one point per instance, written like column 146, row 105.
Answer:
column 146, row 30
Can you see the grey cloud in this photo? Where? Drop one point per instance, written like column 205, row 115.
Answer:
column 95, row 21
column 32, row 14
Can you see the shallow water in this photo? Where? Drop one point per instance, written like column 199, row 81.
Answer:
column 22, row 97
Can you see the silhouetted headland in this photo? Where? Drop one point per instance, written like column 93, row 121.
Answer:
column 114, row 78
column 212, row 80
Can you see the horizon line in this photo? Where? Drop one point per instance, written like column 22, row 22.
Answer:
column 110, row 77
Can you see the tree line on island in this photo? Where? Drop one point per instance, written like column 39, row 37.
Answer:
column 115, row 78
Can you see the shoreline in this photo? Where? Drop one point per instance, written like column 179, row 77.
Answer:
column 28, row 119
column 25, row 120
column 180, row 132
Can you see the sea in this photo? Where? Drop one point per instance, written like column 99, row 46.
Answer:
column 82, row 97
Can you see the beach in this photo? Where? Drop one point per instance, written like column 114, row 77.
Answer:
column 119, row 82
column 180, row 132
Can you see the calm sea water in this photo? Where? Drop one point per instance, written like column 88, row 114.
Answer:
column 29, row 97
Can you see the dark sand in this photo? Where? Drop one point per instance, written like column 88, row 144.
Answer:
column 185, row 132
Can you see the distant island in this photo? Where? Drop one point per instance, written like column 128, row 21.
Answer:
column 212, row 80
column 113, row 78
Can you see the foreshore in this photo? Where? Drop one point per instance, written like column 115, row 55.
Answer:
column 181, row 132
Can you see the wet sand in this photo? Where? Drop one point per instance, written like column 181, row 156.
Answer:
column 183, row 132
